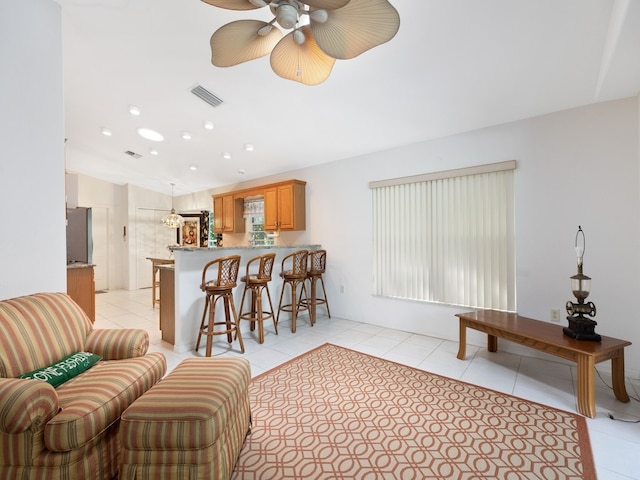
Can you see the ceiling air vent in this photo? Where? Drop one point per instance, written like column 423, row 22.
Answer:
column 204, row 94
column 133, row 154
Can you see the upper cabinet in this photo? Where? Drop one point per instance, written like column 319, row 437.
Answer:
column 227, row 214
column 284, row 206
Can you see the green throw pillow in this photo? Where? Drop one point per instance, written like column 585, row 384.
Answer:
column 67, row 368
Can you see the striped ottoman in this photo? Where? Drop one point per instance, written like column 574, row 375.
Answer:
column 191, row 425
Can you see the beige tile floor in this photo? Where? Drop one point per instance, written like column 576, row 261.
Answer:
column 616, row 444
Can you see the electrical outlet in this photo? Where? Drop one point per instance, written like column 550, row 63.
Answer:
column 341, row 288
column 555, row 315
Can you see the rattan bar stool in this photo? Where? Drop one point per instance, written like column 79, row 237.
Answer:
column 219, row 278
column 256, row 283
column 317, row 265
column 294, row 273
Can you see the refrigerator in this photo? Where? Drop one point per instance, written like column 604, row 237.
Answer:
column 79, row 237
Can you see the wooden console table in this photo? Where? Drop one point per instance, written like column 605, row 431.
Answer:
column 549, row 338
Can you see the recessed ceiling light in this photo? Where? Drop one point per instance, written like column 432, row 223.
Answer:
column 106, row 131
column 186, row 136
column 133, row 110
column 150, row 134
column 209, row 125
column 193, row 167
column 153, row 151
column 226, row 155
column 248, row 147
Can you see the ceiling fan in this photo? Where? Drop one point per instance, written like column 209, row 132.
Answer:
column 321, row 32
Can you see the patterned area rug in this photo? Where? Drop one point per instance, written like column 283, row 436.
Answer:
column 334, row 413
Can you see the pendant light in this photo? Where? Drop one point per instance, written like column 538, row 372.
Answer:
column 173, row 220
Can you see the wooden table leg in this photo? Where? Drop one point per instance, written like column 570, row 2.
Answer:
column 492, row 343
column 617, row 374
column 462, row 346
column 586, row 386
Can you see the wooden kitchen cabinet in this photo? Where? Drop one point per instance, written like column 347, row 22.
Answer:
column 228, row 214
column 284, row 206
column 81, row 288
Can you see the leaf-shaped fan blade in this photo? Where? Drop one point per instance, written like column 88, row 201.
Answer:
column 232, row 4
column 239, row 42
column 357, row 27
column 326, row 4
column 305, row 63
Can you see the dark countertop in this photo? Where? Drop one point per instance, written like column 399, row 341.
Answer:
column 80, row 265
column 241, row 247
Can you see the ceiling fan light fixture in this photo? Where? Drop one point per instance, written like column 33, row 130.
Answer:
column 319, row 16
column 238, row 42
column 298, row 37
column 323, row 31
column 287, row 16
column 265, row 30
column 302, row 62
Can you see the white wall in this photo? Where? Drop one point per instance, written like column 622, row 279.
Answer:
column 32, row 141
column 576, row 167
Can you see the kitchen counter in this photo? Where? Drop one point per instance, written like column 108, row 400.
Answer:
column 189, row 299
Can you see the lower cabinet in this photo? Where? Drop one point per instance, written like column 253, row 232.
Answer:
column 81, row 287
column 167, row 304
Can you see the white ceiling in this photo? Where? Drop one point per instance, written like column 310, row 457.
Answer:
column 454, row 66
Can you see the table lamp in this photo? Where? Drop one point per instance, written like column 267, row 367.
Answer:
column 580, row 327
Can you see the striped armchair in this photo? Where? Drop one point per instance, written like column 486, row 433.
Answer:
column 71, row 430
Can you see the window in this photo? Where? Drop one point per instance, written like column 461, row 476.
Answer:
column 447, row 237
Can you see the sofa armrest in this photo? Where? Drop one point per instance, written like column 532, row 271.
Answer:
column 26, row 404
column 117, row 344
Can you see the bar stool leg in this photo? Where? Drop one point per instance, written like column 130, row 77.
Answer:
column 254, row 309
column 273, row 314
column 258, row 311
column 312, row 303
column 324, row 292
column 209, row 333
column 204, row 315
column 237, row 323
column 227, row 318
column 294, row 307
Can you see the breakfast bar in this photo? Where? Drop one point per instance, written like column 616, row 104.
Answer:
column 188, row 300
column 549, row 338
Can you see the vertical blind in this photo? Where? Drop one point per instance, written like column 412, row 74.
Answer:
column 447, row 237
